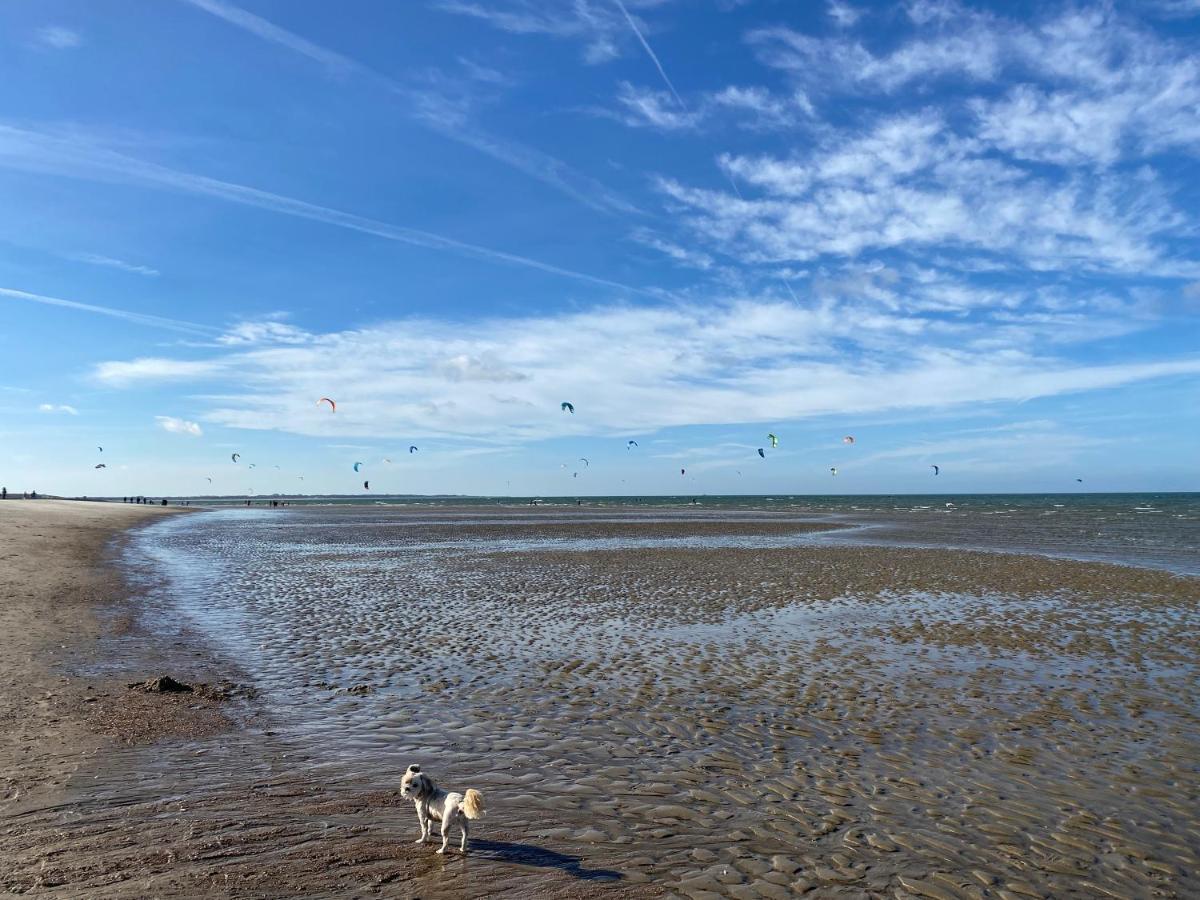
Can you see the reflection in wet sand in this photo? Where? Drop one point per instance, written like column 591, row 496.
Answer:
column 707, row 707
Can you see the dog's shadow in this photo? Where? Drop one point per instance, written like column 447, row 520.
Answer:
column 532, row 855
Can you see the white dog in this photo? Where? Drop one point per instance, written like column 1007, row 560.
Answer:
column 435, row 804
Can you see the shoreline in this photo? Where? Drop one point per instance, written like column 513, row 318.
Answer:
column 65, row 699
column 55, row 576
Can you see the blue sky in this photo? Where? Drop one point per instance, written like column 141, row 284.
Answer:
column 964, row 234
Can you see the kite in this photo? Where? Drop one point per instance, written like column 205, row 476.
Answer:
column 683, row 471
column 586, row 464
column 833, row 470
column 301, row 477
column 252, row 465
column 209, row 479
column 386, row 460
column 357, row 466
column 631, row 445
column 101, row 449
column 332, row 405
column 236, row 456
column 936, row 470
column 412, row 449
column 1080, row 480
column 568, row 407
column 366, row 485
column 848, row 439
column 774, row 441
column 574, row 474
column 761, row 453
column 100, row 466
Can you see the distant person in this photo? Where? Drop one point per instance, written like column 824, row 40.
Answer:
column 33, row 495
column 164, row 503
column 3, row 493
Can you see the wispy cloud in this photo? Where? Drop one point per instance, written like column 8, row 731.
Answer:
column 1092, row 85
column 598, row 24
column 178, row 426
column 682, row 255
column 58, row 408
column 843, row 14
column 96, row 259
column 71, row 157
column 755, row 108
column 657, row 109
column 1004, row 449
column 439, row 102
column 911, row 182
column 136, row 318
column 59, row 38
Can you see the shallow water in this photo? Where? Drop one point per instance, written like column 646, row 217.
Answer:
column 726, row 702
column 1154, row 530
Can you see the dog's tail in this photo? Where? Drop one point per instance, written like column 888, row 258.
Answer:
column 472, row 805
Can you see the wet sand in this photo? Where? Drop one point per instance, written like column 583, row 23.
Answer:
column 743, row 721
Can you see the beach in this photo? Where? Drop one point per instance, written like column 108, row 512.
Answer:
column 60, row 593
column 669, row 702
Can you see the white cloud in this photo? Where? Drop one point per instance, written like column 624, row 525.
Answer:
column 154, row 369
column 766, row 110
column 1111, row 92
column 263, row 331
column 58, row 408
column 636, row 370
column 59, row 38
column 178, row 426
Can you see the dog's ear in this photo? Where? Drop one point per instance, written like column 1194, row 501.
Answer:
column 414, row 768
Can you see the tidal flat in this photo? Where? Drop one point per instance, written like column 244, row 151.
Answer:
column 668, row 703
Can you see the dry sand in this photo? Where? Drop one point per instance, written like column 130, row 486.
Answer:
column 829, row 721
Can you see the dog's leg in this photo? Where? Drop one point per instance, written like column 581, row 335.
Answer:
column 425, row 829
column 447, row 821
column 462, row 825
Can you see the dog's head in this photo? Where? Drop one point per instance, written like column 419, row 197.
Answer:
column 415, row 785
